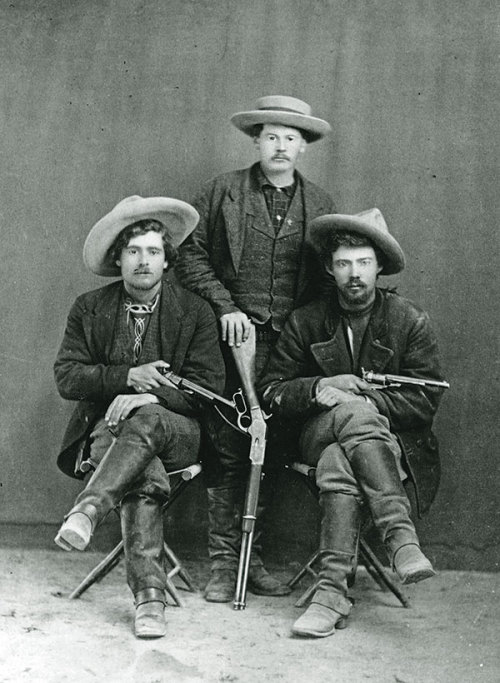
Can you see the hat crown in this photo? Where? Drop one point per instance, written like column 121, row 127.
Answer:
column 369, row 223
column 283, row 103
column 128, row 201
column 373, row 218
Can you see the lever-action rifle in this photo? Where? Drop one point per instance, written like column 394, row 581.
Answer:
column 244, row 358
column 237, row 403
column 247, row 406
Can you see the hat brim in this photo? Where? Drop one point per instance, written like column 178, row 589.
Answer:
column 178, row 217
column 315, row 128
column 336, row 222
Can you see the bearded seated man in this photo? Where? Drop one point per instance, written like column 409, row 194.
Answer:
column 362, row 440
column 130, row 420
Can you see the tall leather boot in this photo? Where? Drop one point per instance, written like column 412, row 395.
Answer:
column 149, row 613
column 375, row 469
column 330, row 606
column 260, row 581
column 224, row 539
column 225, row 509
column 142, row 533
column 137, row 444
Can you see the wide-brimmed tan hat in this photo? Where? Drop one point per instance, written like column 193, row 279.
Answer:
column 179, row 217
column 282, row 110
column 369, row 223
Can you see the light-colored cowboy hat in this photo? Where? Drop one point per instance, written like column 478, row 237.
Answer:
column 282, row 110
column 177, row 216
column 369, row 223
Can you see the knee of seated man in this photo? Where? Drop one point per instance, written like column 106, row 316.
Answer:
column 149, row 421
column 359, row 413
column 331, row 460
column 334, row 472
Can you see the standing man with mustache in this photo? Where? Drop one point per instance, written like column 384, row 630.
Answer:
column 248, row 257
column 363, row 442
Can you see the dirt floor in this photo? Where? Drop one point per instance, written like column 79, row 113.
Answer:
column 450, row 634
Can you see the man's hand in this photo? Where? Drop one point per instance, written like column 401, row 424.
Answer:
column 146, row 377
column 123, row 404
column 349, row 383
column 235, row 328
column 329, row 397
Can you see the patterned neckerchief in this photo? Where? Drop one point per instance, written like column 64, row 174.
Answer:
column 139, row 314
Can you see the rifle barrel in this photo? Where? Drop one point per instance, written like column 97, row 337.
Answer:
column 247, row 532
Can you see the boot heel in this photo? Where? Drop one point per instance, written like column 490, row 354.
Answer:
column 341, row 624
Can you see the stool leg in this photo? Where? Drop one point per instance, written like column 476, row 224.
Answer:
column 99, row 571
column 383, row 578
column 171, row 590
column 114, row 557
column 306, row 569
column 177, row 568
column 307, row 595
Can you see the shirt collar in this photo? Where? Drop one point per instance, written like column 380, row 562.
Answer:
column 127, row 299
column 263, row 182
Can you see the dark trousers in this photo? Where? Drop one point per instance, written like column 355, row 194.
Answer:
column 226, row 463
column 226, row 467
column 328, row 439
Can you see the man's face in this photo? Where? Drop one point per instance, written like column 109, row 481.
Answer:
column 355, row 271
column 279, row 148
column 142, row 262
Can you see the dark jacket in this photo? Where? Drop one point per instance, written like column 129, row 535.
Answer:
column 398, row 340
column 210, row 257
column 189, row 343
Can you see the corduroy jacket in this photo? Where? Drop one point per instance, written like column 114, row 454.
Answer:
column 398, row 340
column 189, row 343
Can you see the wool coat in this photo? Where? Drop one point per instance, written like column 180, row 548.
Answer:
column 398, row 340
column 228, row 205
column 83, row 373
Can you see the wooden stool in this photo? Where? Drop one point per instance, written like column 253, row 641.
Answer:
column 373, row 565
column 185, row 477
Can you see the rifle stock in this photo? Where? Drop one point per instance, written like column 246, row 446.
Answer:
column 244, row 358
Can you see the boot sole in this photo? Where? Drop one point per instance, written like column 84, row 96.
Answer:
column 148, row 634
column 419, row 574
column 69, row 540
column 215, row 598
column 310, row 633
column 62, row 543
column 281, row 592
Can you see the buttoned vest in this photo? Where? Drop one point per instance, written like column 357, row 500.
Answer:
column 266, row 283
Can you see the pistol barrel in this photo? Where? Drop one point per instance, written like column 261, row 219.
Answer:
column 387, row 380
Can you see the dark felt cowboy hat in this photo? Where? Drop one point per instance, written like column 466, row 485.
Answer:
column 282, row 110
column 177, row 216
column 369, row 223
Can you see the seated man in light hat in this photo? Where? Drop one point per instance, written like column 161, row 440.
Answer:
column 131, row 422
column 248, row 258
column 362, row 441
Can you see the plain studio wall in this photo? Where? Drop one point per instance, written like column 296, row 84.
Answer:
column 108, row 98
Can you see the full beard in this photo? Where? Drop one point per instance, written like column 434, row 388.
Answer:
column 358, row 297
